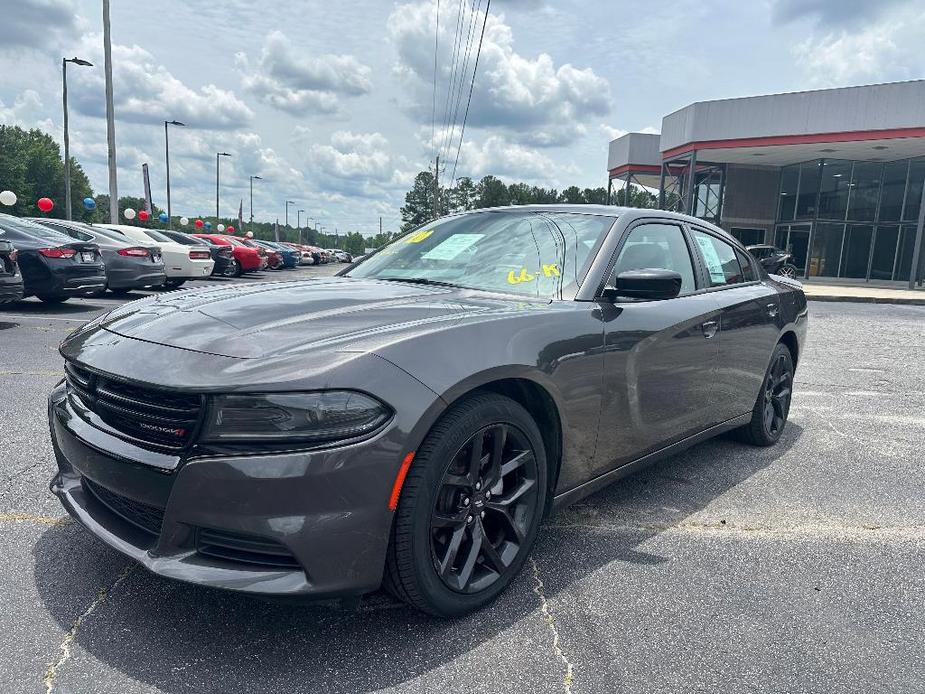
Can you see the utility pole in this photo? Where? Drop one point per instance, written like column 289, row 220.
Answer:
column 436, row 212
column 380, row 227
column 218, row 156
column 252, row 195
column 110, row 120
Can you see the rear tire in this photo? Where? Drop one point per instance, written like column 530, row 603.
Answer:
column 174, row 284
column 789, row 271
column 120, row 291
column 53, row 298
column 455, row 547
column 769, row 416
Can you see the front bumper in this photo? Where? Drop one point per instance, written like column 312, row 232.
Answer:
column 327, row 508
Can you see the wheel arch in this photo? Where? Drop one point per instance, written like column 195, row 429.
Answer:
column 539, row 401
column 790, row 341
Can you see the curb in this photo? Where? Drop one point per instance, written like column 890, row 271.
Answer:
column 901, row 300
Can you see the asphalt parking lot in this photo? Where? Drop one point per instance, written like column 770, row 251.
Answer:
column 725, row 569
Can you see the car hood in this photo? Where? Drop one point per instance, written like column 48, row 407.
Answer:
column 276, row 319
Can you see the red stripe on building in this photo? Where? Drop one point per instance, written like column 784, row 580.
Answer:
column 640, row 168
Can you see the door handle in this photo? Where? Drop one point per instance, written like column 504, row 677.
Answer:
column 709, row 328
column 773, row 310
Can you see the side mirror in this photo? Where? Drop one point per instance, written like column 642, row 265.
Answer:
column 652, row 284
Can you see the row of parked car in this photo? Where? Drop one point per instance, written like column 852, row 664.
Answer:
column 55, row 259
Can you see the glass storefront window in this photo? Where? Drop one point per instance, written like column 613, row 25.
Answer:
column 833, row 191
column 826, row 249
column 809, row 188
column 894, row 187
column 789, row 182
column 914, row 190
column 884, row 255
column 856, row 251
column 865, row 189
column 904, row 253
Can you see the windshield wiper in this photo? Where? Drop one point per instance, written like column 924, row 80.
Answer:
column 418, row 280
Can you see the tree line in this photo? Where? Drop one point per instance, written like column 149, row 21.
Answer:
column 425, row 201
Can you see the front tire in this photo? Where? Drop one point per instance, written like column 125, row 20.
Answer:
column 769, row 416
column 53, row 298
column 470, row 507
column 789, row 271
column 174, row 284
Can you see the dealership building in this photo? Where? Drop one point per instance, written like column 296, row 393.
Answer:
column 835, row 175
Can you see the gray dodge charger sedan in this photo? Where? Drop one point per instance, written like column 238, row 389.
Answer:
column 411, row 421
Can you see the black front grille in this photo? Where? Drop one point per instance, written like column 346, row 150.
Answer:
column 246, row 549
column 143, row 516
column 162, row 419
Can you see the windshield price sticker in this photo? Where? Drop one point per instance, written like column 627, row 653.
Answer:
column 451, row 247
column 714, row 264
column 419, row 236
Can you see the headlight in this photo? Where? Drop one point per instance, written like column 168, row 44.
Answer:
column 294, row 417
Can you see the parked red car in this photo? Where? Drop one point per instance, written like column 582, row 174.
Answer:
column 246, row 259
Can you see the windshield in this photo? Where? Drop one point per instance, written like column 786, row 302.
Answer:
column 529, row 253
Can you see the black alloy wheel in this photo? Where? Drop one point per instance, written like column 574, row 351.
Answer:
column 483, row 509
column 470, row 507
column 787, row 270
column 233, row 269
column 772, row 408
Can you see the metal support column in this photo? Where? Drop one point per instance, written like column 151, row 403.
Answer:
column 917, row 247
column 691, row 185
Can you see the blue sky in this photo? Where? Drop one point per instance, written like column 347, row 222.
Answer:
column 332, row 102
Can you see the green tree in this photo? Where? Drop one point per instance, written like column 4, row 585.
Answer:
column 637, row 197
column 418, row 207
column 572, row 196
column 354, row 243
column 492, row 193
column 595, row 196
column 520, row 194
column 463, row 195
column 31, row 166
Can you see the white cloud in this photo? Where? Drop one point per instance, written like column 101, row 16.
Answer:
column 508, row 160
column 146, row 92
column 360, row 164
column 26, row 112
column 290, row 79
column 530, row 99
column 883, row 49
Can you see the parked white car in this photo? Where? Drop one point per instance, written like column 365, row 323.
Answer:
column 181, row 263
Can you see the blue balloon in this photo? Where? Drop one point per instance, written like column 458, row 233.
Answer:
column 163, row 217
column 89, row 203
column 208, row 225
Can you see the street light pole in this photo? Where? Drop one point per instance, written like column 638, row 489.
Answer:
column 288, row 203
column 252, row 195
column 167, row 158
column 218, row 156
column 110, row 119
column 298, row 224
column 67, row 145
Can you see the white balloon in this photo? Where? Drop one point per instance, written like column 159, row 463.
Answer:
column 129, row 213
column 8, row 197
column 221, row 228
column 250, row 234
column 184, row 221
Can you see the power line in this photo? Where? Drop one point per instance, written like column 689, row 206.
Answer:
column 465, row 70
column 433, row 111
column 454, row 72
column 478, row 53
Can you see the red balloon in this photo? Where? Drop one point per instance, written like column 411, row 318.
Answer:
column 230, row 230
column 45, row 204
column 199, row 223
column 143, row 215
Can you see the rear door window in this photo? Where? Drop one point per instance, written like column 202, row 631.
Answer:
column 720, row 259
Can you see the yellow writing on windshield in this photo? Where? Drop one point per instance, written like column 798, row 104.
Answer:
column 419, row 236
column 551, row 270
column 524, row 276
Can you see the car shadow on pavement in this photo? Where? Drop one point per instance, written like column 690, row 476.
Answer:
column 40, row 309
column 181, row 638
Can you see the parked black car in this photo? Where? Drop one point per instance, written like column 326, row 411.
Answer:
column 54, row 267
column 412, row 420
column 129, row 265
column 774, row 260
column 222, row 255
column 11, row 287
